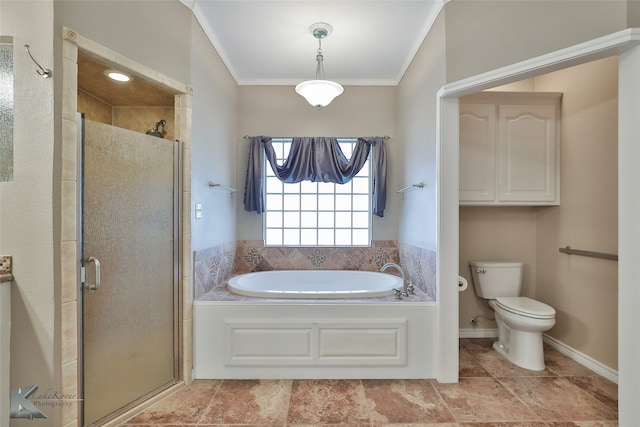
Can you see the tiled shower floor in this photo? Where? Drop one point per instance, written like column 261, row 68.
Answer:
column 491, row 392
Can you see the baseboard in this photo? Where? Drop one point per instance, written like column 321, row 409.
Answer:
column 581, row 358
column 478, row 333
column 572, row 353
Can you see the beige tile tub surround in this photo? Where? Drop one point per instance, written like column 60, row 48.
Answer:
column 252, row 255
column 5, row 269
column 70, row 309
column 419, row 265
column 214, row 266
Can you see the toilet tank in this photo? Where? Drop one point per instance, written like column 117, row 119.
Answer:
column 493, row 279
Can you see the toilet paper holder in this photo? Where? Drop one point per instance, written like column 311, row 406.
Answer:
column 462, row 284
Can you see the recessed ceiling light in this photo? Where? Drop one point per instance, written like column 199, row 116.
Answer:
column 117, row 75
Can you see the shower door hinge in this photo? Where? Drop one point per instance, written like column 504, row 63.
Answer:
column 83, row 275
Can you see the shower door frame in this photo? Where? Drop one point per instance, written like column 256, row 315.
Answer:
column 70, row 304
column 177, row 300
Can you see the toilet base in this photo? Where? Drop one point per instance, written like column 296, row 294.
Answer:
column 523, row 349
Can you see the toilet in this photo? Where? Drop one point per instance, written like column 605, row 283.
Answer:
column 521, row 320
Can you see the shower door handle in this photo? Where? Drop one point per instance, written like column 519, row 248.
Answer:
column 96, row 285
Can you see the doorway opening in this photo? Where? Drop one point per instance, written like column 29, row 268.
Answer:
column 623, row 44
column 586, row 216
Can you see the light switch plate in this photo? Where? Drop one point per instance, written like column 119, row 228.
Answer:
column 5, row 264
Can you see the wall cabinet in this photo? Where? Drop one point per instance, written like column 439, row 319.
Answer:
column 510, row 149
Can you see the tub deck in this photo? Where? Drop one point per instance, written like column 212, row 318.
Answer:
column 223, row 294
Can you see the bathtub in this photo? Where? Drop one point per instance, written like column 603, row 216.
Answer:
column 323, row 284
column 311, row 331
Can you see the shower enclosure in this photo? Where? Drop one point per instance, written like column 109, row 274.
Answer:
column 130, row 246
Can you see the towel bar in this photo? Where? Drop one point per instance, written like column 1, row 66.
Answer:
column 569, row 250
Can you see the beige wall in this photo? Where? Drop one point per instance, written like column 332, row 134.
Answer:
column 150, row 32
column 215, row 112
column 485, row 35
column 417, row 117
column 472, row 37
column 633, row 14
column 495, row 233
column 162, row 35
column 153, row 33
column 468, row 38
column 27, row 217
column 359, row 111
column 175, row 45
column 582, row 290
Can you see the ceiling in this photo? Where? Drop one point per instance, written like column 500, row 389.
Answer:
column 268, row 42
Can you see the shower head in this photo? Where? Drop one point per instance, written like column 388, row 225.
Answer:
column 155, row 131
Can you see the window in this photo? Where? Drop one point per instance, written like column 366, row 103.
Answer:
column 317, row 213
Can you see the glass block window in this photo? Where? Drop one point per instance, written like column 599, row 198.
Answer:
column 317, row 213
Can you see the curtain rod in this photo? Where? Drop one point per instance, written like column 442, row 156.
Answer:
column 247, row 137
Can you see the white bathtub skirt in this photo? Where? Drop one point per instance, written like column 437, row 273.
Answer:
column 239, row 340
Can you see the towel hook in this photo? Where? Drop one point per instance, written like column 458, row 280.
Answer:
column 44, row 72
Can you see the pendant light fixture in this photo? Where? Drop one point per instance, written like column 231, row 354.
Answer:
column 319, row 92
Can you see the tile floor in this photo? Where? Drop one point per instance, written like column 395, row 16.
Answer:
column 491, row 392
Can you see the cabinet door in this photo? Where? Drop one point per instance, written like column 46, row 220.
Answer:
column 477, row 153
column 527, row 157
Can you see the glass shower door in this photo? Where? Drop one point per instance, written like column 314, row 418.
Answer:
column 129, row 245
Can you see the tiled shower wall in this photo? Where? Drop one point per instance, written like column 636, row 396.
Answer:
column 139, row 119
column 214, row 266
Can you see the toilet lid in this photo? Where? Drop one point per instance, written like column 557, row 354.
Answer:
column 526, row 307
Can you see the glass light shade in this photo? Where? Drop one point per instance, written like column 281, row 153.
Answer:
column 319, row 93
column 117, row 76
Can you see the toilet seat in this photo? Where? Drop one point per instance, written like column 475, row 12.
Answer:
column 526, row 307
